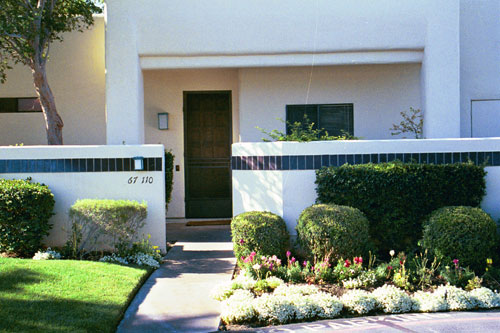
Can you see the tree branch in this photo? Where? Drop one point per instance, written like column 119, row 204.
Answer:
column 11, row 35
column 17, row 48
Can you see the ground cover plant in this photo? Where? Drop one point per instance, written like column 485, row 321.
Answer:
column 65, row 295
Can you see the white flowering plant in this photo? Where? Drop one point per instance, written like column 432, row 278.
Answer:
column 391, row 299
column 140, row 259
column 47, row 255
column 358, row 301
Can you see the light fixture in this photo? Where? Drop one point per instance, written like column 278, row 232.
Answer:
column 138, row 163
column 163, row 121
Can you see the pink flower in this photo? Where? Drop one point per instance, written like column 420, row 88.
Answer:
column 347, row 263
column 242, row 241
column 288, row 254
column 247, row 259
column 293, row 260
column 455, row 261
column 253, row 254
column 304, row 263
column 242, row 258
column 278, row 262
column 358, row 260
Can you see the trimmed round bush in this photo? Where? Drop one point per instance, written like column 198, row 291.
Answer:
column 333, row 231
column 25, row 210
column 460, row 232
column 262, row 232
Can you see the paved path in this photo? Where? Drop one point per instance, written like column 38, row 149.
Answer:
column 466, row 322
column 176, row 297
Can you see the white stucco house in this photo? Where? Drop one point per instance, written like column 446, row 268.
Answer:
column 220, row 68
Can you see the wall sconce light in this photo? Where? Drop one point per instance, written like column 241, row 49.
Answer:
column 163, row 121
column 138, row 163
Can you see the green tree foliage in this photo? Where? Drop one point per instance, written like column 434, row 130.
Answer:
column 27, row 29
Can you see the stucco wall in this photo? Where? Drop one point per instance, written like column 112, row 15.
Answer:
column 261, row 26
column 76, row 74
column 378, row 92
column 479, row 57
column 163, row 92
column 288, row 192
column 70, row 185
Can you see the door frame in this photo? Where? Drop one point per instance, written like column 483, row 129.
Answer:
column 185, row 94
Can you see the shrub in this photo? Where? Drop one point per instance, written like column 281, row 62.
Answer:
column 397, row 197
column 169, row 176
column 464, row 233
column 114, row 221
column 25, row 210
column 262, row 232
column 332, row 232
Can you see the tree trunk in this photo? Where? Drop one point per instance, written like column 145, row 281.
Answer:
column 53, row 122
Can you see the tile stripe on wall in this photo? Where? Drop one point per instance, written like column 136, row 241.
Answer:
column 77, row 165
column 314, row 162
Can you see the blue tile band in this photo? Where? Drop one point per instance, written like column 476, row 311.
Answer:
column 314, row 162
column 77, row 165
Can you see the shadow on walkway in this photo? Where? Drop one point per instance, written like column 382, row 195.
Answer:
column 176, row 297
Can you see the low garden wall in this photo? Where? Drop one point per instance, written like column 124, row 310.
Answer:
column 279, row 176
column 93, row 172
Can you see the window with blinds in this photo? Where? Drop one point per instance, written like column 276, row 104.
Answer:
column 333, row 118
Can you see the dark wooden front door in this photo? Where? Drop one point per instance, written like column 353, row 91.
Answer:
column 207, row 143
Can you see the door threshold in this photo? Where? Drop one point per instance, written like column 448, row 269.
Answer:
column 200, row 221
column 196, row 223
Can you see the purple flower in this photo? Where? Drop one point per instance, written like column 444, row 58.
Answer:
column 271, row 266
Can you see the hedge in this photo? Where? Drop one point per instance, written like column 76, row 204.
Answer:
column 100, row 223
column 25, row 210
column 396, row 197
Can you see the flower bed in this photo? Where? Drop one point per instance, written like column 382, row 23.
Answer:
column 243, row 301
column 269, row 291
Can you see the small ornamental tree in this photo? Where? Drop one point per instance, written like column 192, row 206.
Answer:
column 27, row 29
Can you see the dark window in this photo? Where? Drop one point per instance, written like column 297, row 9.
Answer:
column 333, row 118
column 28, row 104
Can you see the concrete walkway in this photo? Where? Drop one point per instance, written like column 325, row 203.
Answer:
column 176, row 297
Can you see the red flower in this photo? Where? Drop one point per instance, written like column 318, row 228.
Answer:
column 389, row 268
column 347, row 263
column 242, row 241
column 358, row 260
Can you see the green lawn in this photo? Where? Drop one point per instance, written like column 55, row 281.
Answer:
column 65, row 295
